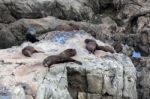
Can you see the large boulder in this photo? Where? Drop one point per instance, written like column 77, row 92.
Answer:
column 7, row 39
column 103, row 75
column 5, row 16
column 103, row 31
column 68, row 9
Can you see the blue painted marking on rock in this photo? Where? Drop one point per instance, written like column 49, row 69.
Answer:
column 136, row 54
column 62, row 37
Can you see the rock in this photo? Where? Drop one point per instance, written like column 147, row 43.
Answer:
column 142, row 23
column 143, row 85
column 5, row 16
column 37, row 9
column 20, row 27
column 18, row 93
column 144, row 49
column 7, row 39
column 92, row 86
column 29, row 97
column 93, row 96
column 118, row 46
column 127, row 50
column 81, row 95
column 115, row 72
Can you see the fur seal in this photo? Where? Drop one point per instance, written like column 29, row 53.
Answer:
column 31, row 35
column 106, row 49
column 31, row 38
column 68, row 53
column 29, row 50
column 56, row 59
column 91, row 46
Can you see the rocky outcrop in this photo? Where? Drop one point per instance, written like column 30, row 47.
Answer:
column 123, row 19
column 103, row 75
column 6, row 16
column 111, row 21
column 103, row 31
column 7, row 38
column 69, row 9
column 143, row 78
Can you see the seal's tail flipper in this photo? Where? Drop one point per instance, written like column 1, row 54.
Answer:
column 106, row 49
column 38, row 51
column 78, row 62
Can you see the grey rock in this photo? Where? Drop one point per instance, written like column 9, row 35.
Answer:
column 18, row 93
column 37, row 9
column 107, row 76
column 92, row 86
column 7, row 39
column 6, row 16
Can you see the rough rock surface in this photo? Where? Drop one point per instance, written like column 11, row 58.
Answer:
column 143, row 71
column 126, row 21
column 68, row 9
column 19, row 28
column 101, row 76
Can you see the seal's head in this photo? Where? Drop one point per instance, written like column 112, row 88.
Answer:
column 47, row 62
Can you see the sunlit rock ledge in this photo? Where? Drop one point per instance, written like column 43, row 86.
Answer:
column 102, row 76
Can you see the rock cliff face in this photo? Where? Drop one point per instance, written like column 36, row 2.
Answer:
column 104, row 76
column 111, row 21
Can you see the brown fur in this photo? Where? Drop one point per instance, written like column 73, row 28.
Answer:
column 91, row 46
column 68, row 53
column 29, row 50
column 56, row 59
column 106, row 49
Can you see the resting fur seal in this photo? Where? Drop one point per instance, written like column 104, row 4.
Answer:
column 91, row 46
column 56, row 59
column 32, row 38
column 29, row 50
column 106, row 49
column 68, row 53
column 31, row 35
